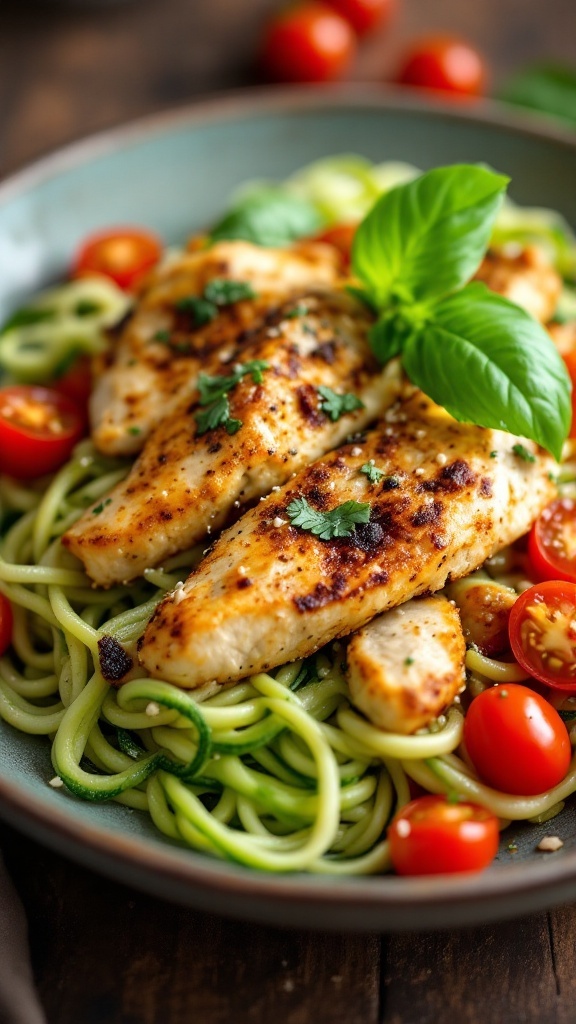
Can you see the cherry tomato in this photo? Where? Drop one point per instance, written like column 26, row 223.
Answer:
column 516, row 740
column 76, row 383
column 446, row 64
column 542, row 630
column 552, row 541
column 5, row 624
column 341, row 237
column 122, row 254
column 431, row 836
column 38, row 430
column 308, row 43
column 570, row 360
column 365, row 15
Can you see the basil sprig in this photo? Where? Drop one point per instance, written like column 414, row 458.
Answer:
column 480, row 356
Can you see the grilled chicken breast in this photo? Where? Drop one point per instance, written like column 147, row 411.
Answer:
column 484, row 607
column 523, row 275
column 269, row 592
column 186, row 483
column 160, row 351
column 407, row 665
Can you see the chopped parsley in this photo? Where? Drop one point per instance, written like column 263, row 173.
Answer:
column 223, row 292
column 408, row 661
column 163, row 337
column 213, row 395
column 218, row 292
column 201, row 310
column 372, row 472
column 339, row 522
column 335, row 405
column 134, row 430
column 299, row 310
column 493, row 455
column 100, row 508
column 523, row 453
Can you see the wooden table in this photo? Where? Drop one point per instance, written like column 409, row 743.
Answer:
column 104, row 954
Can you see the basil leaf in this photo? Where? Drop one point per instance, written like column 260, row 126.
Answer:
column 425, row 238
column 489, row 362
column 270, row 216
column 388, row 336
column 550, row 90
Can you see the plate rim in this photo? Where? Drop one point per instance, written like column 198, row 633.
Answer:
column 461, row 898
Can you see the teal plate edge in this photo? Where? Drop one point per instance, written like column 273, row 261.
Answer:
column 113, row 840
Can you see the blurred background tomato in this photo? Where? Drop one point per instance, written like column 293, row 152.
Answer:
column 70, row 67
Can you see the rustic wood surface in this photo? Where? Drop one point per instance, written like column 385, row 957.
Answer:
column 102, row 953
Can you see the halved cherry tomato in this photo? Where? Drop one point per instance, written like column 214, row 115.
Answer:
column 570, row 360
column 341, row 237
column 432, row 836
column 307, row 43
column 38, row 430
column 76, row 383
column 542, row 630
column 5, row 624
column 365, row 15
column 446, row 64
column 516, row 740
column 552, row 541
column 122, row 254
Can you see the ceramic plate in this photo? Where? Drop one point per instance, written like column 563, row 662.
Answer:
column 173, row 173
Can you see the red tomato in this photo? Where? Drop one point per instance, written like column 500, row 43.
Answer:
column 552, row 541
column 307, row 43
column 542, row 630
column 341, row 237
column 365, row 15
column 516, row 740
column 5, row 624
column 444, row 63
column 76, row 383
column 122, row 254
column 431, row 836
column 38, row 430
column 570, row 360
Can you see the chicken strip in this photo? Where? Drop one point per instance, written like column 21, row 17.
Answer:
column 160, row 351
column 270, row 592
column 484, row 607
column 523, row 275
column 407, row 665
column 186, row 483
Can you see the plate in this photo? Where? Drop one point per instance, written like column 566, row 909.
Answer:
column 173, row 173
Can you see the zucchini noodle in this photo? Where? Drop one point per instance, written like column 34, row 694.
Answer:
column 277, row 772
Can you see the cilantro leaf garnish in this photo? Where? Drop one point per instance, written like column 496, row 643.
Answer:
column 414, row 254
column 335, row 405
column 223, row 292
column 372, row 472
column 213, row 395
column 339, row 522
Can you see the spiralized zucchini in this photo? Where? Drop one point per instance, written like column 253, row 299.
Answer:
column 277, row 772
